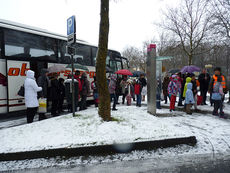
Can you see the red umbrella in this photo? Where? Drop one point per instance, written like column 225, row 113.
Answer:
column 124, row 72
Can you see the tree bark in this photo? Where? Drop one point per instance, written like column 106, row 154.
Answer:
column 190, row 59
column 104, row 96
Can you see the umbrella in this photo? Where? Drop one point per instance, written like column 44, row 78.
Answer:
column 173, row 71
column 137, row 73
column 190, row 69
column 124, row 72
column 56, row 68
column 78, row 67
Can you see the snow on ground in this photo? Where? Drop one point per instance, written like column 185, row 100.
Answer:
column 135, row 124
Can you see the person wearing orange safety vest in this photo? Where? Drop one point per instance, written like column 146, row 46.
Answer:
column 217, row 73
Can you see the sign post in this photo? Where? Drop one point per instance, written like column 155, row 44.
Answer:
column 151, row 77
column 71, row 33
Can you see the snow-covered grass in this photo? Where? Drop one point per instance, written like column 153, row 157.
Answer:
column 134, row 124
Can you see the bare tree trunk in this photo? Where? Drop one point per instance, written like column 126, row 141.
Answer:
column 190, row 59
column 104, row 97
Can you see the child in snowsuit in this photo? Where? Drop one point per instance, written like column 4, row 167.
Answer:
column 189, row 99
column 217, row 95
column 173, row 89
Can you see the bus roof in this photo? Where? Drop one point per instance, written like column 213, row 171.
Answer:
column 38, row 31
column 33, row 30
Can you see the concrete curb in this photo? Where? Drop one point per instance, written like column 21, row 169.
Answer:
column 99, row 150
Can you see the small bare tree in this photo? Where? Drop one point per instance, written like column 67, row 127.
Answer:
column 221, row 25
column 221, row 16
column 190, row 23
column 136, row 58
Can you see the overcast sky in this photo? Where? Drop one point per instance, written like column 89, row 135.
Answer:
column 131, row 21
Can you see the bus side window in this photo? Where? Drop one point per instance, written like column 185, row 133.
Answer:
column 26, row 45
column 119, row 66
column 94, row 54
column 85, row 52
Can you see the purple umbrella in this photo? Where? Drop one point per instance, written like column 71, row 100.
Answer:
column 190, row 69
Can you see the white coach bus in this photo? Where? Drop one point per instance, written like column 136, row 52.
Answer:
column 23, row 47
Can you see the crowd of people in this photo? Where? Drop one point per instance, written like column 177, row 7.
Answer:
column 186, row 87
column 183, row 86
column 54, row 89
column 129, row 89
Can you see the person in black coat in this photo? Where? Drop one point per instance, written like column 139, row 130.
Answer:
column 54, row 95
column 85, row 91
column 204, row 79
column 143, row 84
column 43, row 81
column 61, row 94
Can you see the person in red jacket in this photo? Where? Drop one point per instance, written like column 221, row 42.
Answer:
column 137, row 91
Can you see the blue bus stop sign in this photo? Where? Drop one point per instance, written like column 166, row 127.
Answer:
column 71, row 25
column 71, row 30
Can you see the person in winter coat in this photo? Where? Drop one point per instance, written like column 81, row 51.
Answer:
column 180, row 83
column 68, row 93
column 165, row 85
column 112, row 91
column 118, row 89
column 188, row 80
column 31, row 100
column 95, row 91
column 194, row 89
column 204, row 79
column 123, row 85
column 44, row 82
column 133, row 92
column 217, row 96
column 189, row 98
column 173, row 89
column 137, row 90
column 61, row 94
column 213, row 82
column 85, row 91
column 77, row 77
column 54, row 95
column 130, row 90
column 144, row 86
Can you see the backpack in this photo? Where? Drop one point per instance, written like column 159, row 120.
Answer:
column 216, row 94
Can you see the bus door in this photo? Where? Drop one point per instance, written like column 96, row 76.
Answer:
column 16, row 77
column 3, row 78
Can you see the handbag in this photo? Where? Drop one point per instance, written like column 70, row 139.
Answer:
column 42, row 105
column 199, row 100
column 21, row 91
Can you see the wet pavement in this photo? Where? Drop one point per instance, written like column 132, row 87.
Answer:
column 183, row 164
